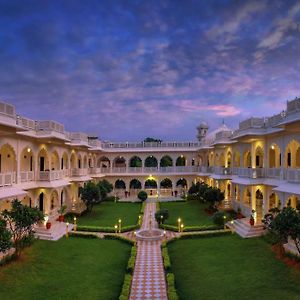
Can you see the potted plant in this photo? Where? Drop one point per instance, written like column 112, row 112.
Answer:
column 48, row 225
column 61, row 212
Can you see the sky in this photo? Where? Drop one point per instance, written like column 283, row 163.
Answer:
column 126, row 70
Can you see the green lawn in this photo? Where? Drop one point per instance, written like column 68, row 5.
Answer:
column 74, row 268
column 229, row 268
column 106, row 214
column 191, row 213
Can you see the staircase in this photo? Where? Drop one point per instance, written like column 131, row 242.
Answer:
column 244, row 229
column 57, row 230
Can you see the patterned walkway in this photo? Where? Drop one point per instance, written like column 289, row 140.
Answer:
column 148, row 277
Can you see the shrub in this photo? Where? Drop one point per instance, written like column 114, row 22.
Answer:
column 161, row 216
column 172, row 293
column 126, row 287
column 166, row 258
column 219, row 218
column 142, row 195
column 131, row 261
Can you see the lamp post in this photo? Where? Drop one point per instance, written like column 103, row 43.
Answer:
column 224, row 222
column 161, row 219
column 75, row 223
column 140, row 218
column 120, row 225
column 181, row 227
column 179, row 223
column 67, row 229
column 116, row 228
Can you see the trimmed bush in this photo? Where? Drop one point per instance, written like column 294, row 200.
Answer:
column 172, row 293
column 190, row 228
column 131, row 261
column 166, row 258
column 126, row 287
column 142, row 195
column 219, row 218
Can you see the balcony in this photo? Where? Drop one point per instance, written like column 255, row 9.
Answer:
column 7, row 179
column 107, row 145
column 222, row 171
column 274, row 173
column 251, row 172
column 27, row 176
column 79, row 172
column 293, row 175
column 52, row 175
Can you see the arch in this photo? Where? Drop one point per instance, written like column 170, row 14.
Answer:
column 274, row 156
column 26, row 160
column 150, row 184
column 85, row 161
column 135, row 162
column 64, row 161
column 119, row 162
column 247, row 159
column 73, row 160
column 8, row 162
column 222, row 160
column 120, row 184
column 27, row 201
column 135, row 184
column 181, row 183
column 273, row 201
column 41, row 201
column 166, row 183
column 247, row 197
column 228, row 159
column 54, row 161
column 151, row 162
column 181, row 161
column 298, row 157
column 43, row 160
column 293, row 201
column 103, row 162
column 79, row 161
column 166, row 161
column 259, row 157
column 237, row 159
column 54, row 200
column 291, row 154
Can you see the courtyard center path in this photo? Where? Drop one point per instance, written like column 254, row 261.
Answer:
column 148, row 277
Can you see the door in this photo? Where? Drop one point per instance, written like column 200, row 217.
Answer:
column 41, row 202
column 42, row 163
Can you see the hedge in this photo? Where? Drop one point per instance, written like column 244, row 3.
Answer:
column 166, row 258
column 131, row 261
column 105, row 229
column 125, row 292
column 172, row 293
column 190, row 228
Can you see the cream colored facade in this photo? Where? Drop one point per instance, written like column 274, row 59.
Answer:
column 257, row 166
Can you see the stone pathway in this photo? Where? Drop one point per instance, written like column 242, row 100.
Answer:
column 149, row 276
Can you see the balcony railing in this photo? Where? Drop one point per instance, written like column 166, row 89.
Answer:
column 27, row 176
column 7, row 179
column 52, row 175
column 293, row 175
column 79, row 172
column 107, row 145
column 251, row 172
column 274, row 173
column 151, row 170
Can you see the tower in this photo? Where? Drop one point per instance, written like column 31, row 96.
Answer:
column 202, row 131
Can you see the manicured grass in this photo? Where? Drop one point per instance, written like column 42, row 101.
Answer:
column 77, row 268
column 229, row 268
column 106, row 214
column 191, row 213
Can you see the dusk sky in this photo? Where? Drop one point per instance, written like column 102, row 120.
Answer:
column 126, row 70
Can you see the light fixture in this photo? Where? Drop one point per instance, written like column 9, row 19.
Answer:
column 28, row 149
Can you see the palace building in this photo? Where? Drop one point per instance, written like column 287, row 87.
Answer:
column 256, row 165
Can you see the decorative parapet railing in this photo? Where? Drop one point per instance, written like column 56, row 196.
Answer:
column 7, row 179
column 151, row 170
column 52, row 175
column 79, row 172
column 251, row 172
column 107, row 145
column 293, row 175
column 26, row 176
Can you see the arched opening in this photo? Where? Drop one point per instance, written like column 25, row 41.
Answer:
column 54, row 202
column 79, row 161
column 237, row 193
column 259, row 157
column 65, row 161
column 54, row 161
column 26, row 160
column 181, row 183
column 228, row 160
column 292, row 154
column 181, row 161
column 120, row 184
column 151, row 162
column 7, row 159
column 166, row 187
column 222, row 160
column 103, row 162
column 85, row 162
column 73, row 161
column 211, row 160
column 294, row 202
column 135, row 184
column 135, row 162
column 274, row 156
column 119, row 162
column 237, row 160
column 151, row 186
column 43, row 160
column 166, row 161
column 273, row 201
column 228, row 190
column 298, row 157
column 247, row 197
column 41, row 202
column 247, row 159
column 259, row 204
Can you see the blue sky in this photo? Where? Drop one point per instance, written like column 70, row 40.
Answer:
column 126, row 70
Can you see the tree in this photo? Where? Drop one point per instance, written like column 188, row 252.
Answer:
column 161, row 216
column 213, row 196
column 20, row 220
column 198, row 190
column 5, row 237
column 152, row 140
column 285, row 225
column 105, row 188
column 90, row 195
column 142, row 195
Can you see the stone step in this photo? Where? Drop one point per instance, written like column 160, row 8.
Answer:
column 245, row 230
column 57, row 231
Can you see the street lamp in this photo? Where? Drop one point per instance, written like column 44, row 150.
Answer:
column 179, row 222
column 75, row 223
column 67, row 229
column 181, row 227
column 140, row 219
column 116, row 228
column 120, row 225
